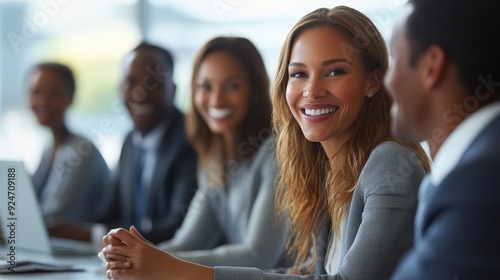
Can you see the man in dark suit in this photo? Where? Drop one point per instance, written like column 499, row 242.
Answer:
column 445, row 85
column 156, row 175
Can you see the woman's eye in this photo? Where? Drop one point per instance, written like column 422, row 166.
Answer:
column 298, row 75
column 205, row 87
column 233, row 86
column 335, row 72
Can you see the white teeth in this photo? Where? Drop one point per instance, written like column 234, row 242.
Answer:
column 141, row 108
column 318, row 112
column 218, row 113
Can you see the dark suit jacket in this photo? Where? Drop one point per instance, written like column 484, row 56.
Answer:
column 460, row 232
column 172, row 186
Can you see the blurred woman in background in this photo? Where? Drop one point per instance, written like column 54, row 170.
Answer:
column 72, row 172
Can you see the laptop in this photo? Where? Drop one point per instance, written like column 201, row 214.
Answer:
column 21, row 217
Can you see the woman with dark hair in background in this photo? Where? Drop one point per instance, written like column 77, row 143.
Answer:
column 71, row 171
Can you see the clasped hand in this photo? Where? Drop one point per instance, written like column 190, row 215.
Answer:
column 130, row 256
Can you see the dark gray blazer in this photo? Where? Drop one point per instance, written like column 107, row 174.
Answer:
column 72, row 184
column 378, row 229
column 460, row 230
column 172, row 186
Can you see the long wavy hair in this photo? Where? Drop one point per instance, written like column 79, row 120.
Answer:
column 314, row 189
column 257, row 123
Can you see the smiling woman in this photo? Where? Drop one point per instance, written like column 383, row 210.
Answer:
column 223, row 100
column 356, row 197
column 229, row 89
column 72, row 170
column 325, row 92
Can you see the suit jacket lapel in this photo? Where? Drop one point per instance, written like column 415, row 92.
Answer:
column 163, row 162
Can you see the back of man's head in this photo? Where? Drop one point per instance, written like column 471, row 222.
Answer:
column 469, row 33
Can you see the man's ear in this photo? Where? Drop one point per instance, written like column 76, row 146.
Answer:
column 375, row 80
column 432, row 66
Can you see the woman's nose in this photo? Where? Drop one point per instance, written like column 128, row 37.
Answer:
column 314, row 89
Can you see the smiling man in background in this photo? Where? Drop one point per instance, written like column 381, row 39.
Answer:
column 156, row 174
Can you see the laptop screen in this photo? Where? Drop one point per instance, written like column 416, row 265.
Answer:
column 21, row 218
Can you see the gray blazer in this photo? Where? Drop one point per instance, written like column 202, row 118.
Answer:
column 378, row 229
column 71, row 186
column 236, row 225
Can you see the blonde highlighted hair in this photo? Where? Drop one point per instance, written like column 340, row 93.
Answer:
column 314, row 190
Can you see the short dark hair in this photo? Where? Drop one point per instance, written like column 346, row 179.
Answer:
column 468, row 31
column 63, row 70
column 162, row 51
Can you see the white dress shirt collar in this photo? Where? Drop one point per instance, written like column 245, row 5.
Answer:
column 459, row 140
column 150, row 141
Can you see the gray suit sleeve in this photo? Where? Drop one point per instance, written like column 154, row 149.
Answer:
column 247, row 273
column 263, row 244
column 389, row 187
column 200, row 228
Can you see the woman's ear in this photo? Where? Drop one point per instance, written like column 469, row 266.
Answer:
column 374, row 82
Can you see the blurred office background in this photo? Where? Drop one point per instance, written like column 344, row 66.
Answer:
column 92, row 37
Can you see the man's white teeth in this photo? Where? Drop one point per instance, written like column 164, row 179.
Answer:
column 219, row 113
column 319, row 112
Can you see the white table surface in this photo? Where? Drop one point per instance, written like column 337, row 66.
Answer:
column 93, row 267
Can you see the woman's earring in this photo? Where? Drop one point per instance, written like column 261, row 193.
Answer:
column 370, row 94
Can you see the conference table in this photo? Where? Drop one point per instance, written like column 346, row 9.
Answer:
column 90, row 267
